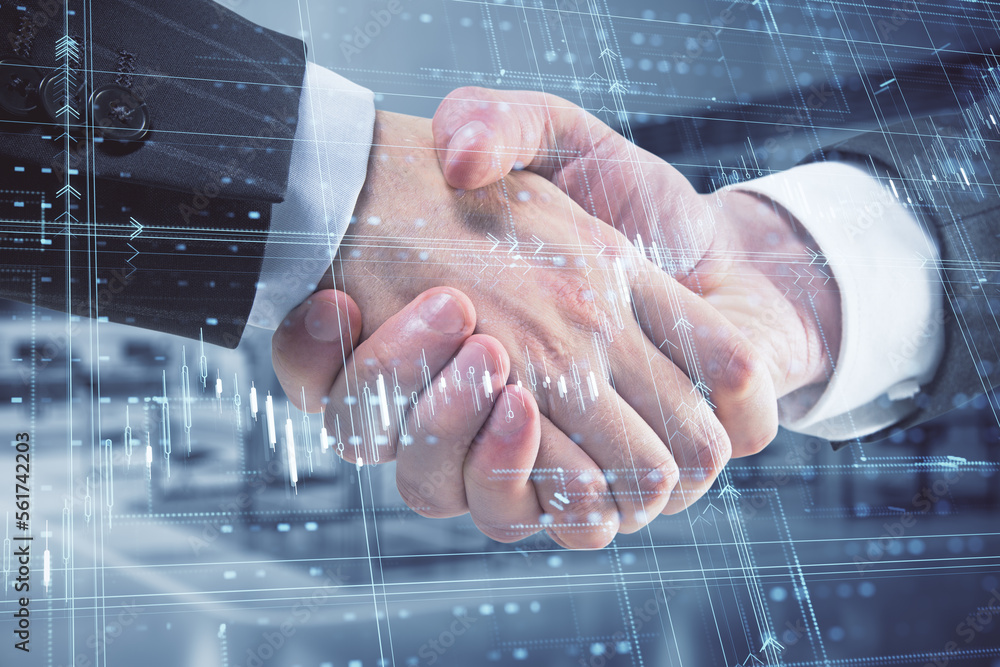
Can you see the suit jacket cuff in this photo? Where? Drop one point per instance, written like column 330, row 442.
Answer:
column 886, row 265
column 329, row 166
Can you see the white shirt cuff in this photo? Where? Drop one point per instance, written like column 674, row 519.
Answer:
column 328, row 169
column 887, row 268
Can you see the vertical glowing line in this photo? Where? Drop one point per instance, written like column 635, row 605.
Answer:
column 269, row 412
column 383, row 402
column 293, row 470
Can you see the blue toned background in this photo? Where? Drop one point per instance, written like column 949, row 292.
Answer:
column 887, row 554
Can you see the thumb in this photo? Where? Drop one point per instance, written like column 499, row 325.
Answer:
column 310, row 347
column 482, row 135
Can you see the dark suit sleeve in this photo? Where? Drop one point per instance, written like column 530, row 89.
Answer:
column 167, row 232
column 948, row 168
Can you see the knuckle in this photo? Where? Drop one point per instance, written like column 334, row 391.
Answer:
column 498, row 532
column 576, row 299
column 658, row 483
column 590, row 501
column 468, row 102
column 758, row 444
column 649, row 491
column 586, row 537
column 715, row 451
column 618, row 248
column 704, row 452
column 426, row 428
column 542, row 340
column 380, row 358
column 332, row 421
column 360, row 443
column 555, row 102
column 430, row 495
column 550, row 356
column 466, row 93
column 420, row 502
column 735, row 367
column 618, row 242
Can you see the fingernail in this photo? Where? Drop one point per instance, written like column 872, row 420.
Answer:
column 468, row 136
column 444, row 314
column 474, row 361
column 324, row 321
column 466, row 139
column 509, row 415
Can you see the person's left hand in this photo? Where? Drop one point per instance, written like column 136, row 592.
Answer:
column 743, row 254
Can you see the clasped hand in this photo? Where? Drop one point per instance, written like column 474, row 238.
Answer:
column 522, row 359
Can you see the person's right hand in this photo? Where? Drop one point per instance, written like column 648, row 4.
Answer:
column 625, row 433
column 316, row 346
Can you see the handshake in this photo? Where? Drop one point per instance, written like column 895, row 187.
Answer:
column 548, row 327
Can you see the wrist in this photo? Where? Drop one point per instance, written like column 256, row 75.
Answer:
column 380, row 228
column 803, row 333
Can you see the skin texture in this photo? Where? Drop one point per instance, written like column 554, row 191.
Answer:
column 319, row 337
column 747, row 259
column 744, row 255
column 574, row 296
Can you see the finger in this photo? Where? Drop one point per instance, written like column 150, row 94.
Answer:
column 667, row 400
column 718, row 358
column 498, row 469
column 370, row 398
column 482, row 135
column 664, row 422
column 443, row 424
column 311, row 346
column 670, row 396
column 610, row 424
column 577, row 397
column 580, row 509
